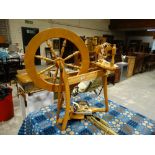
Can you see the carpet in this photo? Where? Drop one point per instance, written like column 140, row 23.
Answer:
column 122, row 120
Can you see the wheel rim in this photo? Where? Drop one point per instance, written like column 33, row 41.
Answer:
column 43, row 36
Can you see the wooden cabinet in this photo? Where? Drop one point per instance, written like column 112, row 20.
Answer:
column 131, row 64
column 117, row 75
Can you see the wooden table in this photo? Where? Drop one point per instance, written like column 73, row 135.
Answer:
column 25, row 88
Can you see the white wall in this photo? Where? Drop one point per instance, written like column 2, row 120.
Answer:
column 87, row 27
column 15, row 29
column 84, row 27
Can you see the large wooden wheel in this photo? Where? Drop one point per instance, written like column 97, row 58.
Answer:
column 56, row 61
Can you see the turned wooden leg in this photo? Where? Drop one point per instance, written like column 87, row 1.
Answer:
column 60, row 96
column 59, row 105
column 67, row 110
column 67, row 100
column 105, row 92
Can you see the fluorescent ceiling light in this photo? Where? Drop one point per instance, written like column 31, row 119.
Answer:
column 150, row 29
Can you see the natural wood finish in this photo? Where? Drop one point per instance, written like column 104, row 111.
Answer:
column 76, row 79
column 47, row 69
column 25, row 78
column 44, row 58
column 102, row 126
column 41, row 37
column 97, row 109
column 55, row 75
column 50, row 45
column 131, row 63
column 67, row 98
column 113, row 55
column 85, row 77
column 71, row 116
column 103, row 52
column 105, row 66
column 72, row 66
column 104, row 78
column 63, row 48
column 60, row 96
column 72, row 73
column 70, row 56
column 76, row 116
column 65, row 79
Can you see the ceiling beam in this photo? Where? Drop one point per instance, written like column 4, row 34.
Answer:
column 131, row 24
column 139, row 33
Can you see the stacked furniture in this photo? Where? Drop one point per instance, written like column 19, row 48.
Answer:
column 143, row 61
column 151, row 62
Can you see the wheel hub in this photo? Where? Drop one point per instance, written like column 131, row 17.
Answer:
column 58, row 61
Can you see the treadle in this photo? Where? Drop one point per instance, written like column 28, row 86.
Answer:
column 101, row 124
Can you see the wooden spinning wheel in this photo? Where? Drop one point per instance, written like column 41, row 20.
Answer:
column 65, row 79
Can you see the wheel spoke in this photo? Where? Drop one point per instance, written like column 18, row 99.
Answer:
column 44, row 58
column 55, row 75
column 50, row 45
column 73, row 66
column 48, row 68
column 63, row 48
column 70, row 56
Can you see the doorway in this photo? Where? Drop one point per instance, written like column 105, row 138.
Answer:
column 27, row 34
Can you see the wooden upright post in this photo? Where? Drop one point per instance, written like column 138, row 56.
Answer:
column 67, row 99
column 105, row 91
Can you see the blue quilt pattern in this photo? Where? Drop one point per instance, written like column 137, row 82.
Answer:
column 122, row 120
